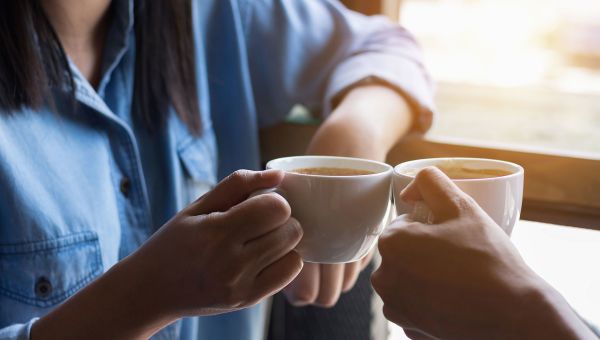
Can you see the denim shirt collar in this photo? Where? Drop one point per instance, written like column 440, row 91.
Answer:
column 118, row 37
column 118, row 41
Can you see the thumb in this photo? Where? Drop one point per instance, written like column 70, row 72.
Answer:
column 234, row 189
column 440, row 194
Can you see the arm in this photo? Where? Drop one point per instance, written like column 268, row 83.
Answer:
column 369, row 121
column 461, row 277
column 312, row 51
column 318, row 51
column 367, row 124
column 222, row 253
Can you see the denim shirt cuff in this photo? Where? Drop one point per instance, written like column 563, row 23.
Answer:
column 21, row 331
column 404, row 76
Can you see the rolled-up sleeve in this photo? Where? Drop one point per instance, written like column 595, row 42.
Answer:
column 20, row 331
column 310, row 51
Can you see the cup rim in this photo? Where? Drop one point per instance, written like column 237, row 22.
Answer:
column 519, row 172
column 388, row 168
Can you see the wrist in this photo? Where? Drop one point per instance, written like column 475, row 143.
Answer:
column 338, row 136
column 545, row 314
column 141, row 296
column 114, row 306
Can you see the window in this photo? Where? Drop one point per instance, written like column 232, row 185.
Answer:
column 516, row 72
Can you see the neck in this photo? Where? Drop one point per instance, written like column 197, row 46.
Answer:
column 81, row 27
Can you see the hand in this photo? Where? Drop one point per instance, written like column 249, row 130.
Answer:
column 322, row 284
column 222, row 253
column 225, row 251
column 461, row 277
column 366, row 124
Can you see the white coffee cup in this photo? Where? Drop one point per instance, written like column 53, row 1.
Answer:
column 500, row 197
column 341, row 216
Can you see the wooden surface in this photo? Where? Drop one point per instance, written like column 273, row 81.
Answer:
column 369, row 7
column 390, row 8
column 559, row 189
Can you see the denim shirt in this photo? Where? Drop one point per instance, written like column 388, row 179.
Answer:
column 83, row 185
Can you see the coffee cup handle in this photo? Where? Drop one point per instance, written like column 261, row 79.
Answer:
column 421, row 213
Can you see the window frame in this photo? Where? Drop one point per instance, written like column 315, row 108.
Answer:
column 390, row 8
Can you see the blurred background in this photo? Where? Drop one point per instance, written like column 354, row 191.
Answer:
column 519, row 72
column 523, row 75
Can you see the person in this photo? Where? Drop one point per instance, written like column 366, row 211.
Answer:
column 115, row 116
column 461, row 277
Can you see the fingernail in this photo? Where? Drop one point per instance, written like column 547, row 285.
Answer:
column 299, row 303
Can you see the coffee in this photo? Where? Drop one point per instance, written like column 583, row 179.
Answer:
column 323, row 171
column 461, row 172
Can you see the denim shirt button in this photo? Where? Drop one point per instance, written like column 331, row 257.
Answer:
column 125, row 186
column 43, row 287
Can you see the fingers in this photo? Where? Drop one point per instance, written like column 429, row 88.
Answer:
column 319, row 284
column 440, row 194
column 235, row 189
column 305, row 288
column 364, row 262
column 275, row 244
column 330, row 287
column 279, row 274
column 351, row 272
column 256, row 216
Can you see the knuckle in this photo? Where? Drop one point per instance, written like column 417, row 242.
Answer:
column 295, row 229
column 391, row 239
column 211, row 219
column 462, row 203
column 383, row 245
column 328, row 301
column 239, row 177
column 295, row 261
column 253, row 301
column 211, row 225
column 275, row 204
column 427, row 174
column 306, row 294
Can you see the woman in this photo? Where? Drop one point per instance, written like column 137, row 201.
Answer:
column 114, row 115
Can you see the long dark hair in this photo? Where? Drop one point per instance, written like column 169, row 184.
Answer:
column 32, row 60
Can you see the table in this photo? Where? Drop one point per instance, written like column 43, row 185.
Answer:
column 568, row 258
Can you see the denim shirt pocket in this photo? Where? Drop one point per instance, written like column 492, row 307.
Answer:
column 199, row 161
column 45, row 273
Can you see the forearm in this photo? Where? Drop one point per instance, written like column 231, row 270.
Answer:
column 115, row 306
column 552, row 317
column 367, row 123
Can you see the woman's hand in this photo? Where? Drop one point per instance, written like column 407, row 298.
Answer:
column 223, row 252
column 461, row 277
column 368, row 122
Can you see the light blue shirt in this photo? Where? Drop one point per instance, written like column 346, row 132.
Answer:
column 84, row 187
